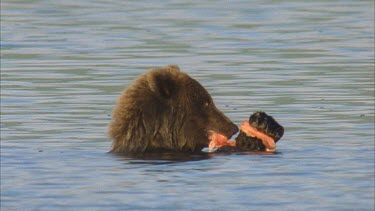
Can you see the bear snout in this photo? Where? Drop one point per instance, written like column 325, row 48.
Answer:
column 227, row 130
column 234, row 129
column 224, row 125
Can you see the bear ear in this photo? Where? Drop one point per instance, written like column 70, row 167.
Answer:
column 163, row 84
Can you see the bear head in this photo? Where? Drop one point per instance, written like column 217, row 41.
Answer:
column 166, row 110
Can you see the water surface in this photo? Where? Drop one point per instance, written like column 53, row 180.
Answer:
column 308, row 64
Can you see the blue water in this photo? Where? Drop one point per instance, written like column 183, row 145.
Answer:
column 308, row 64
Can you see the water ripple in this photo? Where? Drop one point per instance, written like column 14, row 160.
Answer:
column 309, row 64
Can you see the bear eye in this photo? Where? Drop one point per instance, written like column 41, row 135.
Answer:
column 206, row 104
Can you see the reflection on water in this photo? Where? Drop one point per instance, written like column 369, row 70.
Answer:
column 176, row 157
column 162, row 158
column 309, row 64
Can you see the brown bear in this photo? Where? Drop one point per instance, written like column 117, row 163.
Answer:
column 165, row 110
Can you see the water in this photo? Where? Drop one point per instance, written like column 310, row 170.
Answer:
column 309, row 64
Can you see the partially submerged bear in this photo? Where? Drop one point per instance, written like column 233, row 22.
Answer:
column 260, row 133
column 165, row 110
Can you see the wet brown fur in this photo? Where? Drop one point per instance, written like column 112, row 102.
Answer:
column 165, row 110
